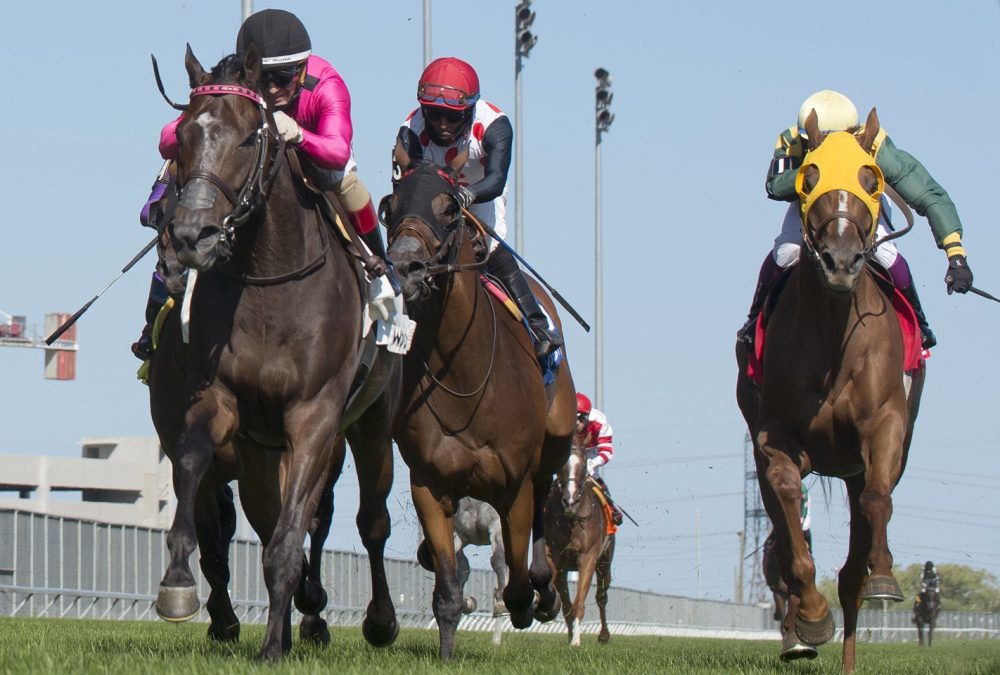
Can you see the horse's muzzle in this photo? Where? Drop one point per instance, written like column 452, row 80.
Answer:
column 196, row 244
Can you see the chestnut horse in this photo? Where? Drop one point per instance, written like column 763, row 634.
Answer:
column 577, row 538
column 476, row 418
column 276, row 354
column 834, row 398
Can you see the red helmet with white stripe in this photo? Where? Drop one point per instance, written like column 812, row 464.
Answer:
column 583, row 405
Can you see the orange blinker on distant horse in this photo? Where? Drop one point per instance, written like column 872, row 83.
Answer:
column 833, row 397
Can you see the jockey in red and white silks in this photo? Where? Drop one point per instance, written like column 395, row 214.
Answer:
column 593, row 435
column 485, row 140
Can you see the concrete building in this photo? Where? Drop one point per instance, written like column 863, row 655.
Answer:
column 120, row 480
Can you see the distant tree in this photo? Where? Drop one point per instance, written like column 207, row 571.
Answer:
column 962, row 588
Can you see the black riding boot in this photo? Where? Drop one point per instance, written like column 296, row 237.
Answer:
column 910, row 293
column 143, row 347
column 503, row 265
column 769, row 271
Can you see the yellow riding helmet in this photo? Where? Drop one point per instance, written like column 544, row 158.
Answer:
column 834, row 112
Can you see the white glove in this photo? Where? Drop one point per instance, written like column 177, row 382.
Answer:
column 594, row 463
column 287, row 128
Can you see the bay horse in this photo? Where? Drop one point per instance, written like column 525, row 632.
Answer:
column 926, row 607
column 833, row 397
column 577, row 538
column 476, row 418
column 276, row 365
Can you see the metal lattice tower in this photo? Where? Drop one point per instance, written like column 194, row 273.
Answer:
column 756, row 525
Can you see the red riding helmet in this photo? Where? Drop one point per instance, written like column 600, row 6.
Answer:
column 583, row 405
column 448, row 83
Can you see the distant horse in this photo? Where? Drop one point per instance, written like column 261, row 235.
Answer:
column 926, row 608
column 834, row 398
column 476, row 418
column 478, row 524
column 577, row 539
column 275, row 364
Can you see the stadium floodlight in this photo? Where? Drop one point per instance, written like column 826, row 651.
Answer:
column 524, row 38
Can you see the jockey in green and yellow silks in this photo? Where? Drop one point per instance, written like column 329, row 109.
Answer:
column 902, row 172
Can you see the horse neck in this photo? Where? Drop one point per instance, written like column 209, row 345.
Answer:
column 282, row 235
column 460, row 318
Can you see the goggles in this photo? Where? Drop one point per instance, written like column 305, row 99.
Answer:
column 443, row 94
column 281, row 78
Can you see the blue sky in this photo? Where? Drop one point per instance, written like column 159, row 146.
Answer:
column 701, row 91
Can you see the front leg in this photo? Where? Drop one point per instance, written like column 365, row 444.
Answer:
column 210, row 422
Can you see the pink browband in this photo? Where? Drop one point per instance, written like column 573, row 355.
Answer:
column 223, row 89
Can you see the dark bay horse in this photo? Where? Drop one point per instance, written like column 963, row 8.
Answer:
column 834, row 398
column 926, row 607
column 476, row 418
column 275, row 357
column 577, row 539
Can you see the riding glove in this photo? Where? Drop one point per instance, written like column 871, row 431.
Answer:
column 465, row 196
column 594, row 463
column 959, row 277
column 287, row 128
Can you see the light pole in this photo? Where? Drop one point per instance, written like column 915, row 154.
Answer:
column 427, row 32
column 602, row 122
column 524, row 40
column 247, row 9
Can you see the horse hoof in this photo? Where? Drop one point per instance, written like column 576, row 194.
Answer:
column 792, row 648
column 881, row 587
column 544, row 616
column 379, row 636
column 521, row 620
column 469, row 605
column 314, row 630
column 177, row 603
column 311, row 598
column 604, row 638
column 230, row 633
column 424, row 556
column 814, row 632
column 499, row 608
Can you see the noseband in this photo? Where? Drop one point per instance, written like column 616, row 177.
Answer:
column 269, row 147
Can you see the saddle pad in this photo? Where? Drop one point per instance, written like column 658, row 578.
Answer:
column 913, row 353
column 608, row 514
column 550, row 364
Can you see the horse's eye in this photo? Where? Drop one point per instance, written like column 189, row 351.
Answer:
column 868, row 179
column 811, row 178
column 249, row 140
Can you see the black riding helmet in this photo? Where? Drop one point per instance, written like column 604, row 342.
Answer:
column 279, row 35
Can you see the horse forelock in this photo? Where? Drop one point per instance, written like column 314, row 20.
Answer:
column 228, row 71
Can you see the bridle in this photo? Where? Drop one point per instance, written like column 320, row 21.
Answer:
column 447, row 240
column 269, row 148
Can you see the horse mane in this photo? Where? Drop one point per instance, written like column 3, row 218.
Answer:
column 228, row 71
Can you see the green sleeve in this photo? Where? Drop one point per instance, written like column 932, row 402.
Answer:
column 912, row 181
column 781, row 187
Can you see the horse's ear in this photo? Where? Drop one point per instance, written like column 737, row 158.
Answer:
column 872, row 127
column 251, row 65
column 400, row 156
column 815, row 136
column 196, row 74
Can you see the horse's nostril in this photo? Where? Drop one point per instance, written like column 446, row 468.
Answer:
column 828, row 261
column 857, row 262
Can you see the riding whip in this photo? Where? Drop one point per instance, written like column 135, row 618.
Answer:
column 555, row 294
column 984, row 294
column 73, row 319
column 627, row 515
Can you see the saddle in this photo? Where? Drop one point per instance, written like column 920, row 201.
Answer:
column 907, row 318
column 609, row 511
column 550, row 364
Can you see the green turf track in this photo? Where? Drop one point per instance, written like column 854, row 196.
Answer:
column 148, row 648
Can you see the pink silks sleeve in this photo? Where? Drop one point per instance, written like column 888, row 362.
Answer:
column 168, row 139
column 324, row 117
